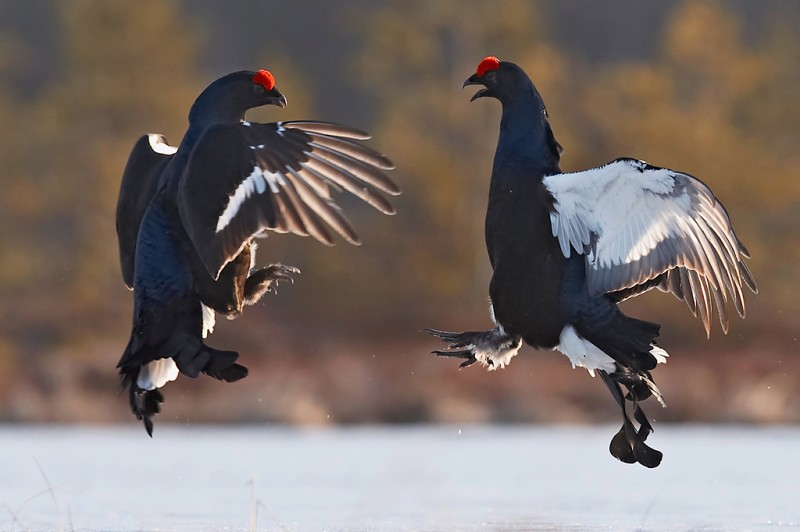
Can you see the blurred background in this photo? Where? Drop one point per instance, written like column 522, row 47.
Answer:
column 709, row 88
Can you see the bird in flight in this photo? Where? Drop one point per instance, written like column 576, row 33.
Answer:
column 188, row 216
column 567, row 248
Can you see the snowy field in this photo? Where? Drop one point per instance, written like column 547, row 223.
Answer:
column 399, row 478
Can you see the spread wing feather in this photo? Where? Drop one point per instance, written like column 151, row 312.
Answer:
column 642, row 227
column 246, row 178
column 140, row 180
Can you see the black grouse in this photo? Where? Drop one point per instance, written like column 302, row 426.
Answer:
column 566, row 248
column 187, row 218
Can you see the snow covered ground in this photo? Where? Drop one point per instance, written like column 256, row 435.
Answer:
column 396, row 478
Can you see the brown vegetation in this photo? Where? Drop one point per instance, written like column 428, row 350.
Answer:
column 343, row 343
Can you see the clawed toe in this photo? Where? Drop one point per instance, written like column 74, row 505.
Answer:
column 494, row 349
column 454, row 339
column 467, row 354
column 279, row 272
column 266, row 280
column 459, row 346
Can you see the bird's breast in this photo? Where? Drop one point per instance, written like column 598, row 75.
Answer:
column 527, row 262
column 161, row 272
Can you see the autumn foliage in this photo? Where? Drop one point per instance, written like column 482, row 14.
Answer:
column 717, row 99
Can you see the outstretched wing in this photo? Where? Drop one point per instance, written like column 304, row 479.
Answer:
column 642, row 227
column 140, row 180
column 245, row 178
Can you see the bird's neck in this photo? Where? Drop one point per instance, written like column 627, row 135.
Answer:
column 215, row 106
column 526, row 144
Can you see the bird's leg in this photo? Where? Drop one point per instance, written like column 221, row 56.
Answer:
column 494, row 349
column 264, row 280
column 628, row 444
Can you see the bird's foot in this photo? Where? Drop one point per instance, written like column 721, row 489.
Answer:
column 264, row 280
column 493, row 349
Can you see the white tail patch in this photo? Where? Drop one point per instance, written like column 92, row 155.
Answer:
column 209, row 320
column 583, row 353
column 157, row 373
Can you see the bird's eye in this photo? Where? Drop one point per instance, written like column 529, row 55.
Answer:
column 258, row 88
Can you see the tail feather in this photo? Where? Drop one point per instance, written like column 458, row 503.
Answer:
column 144, row 403
column 628, row 445
column 193, row 359
column 232, row 373
column 628, row 341
column 213, row 362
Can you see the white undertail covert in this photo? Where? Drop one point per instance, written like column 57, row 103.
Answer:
column 157, row 373
column 583, row 353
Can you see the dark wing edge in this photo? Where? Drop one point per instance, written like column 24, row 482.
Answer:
column 691, row 249
column 140, row 180
column 247, row 178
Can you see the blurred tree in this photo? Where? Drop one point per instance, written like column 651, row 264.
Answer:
column 416, row 56
column 715, row 101
column 129, row 67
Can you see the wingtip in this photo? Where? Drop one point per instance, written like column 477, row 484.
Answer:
column 359, row 134
column 330, row 242
column 391, row 188
column 328, row 128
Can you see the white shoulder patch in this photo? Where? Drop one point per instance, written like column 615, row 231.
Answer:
column 159, row 146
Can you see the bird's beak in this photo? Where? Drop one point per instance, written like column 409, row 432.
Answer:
column 277, row 98
column 475, row 80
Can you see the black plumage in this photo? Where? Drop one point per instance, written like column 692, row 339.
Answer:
column 566, row 248
column 187, row 218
